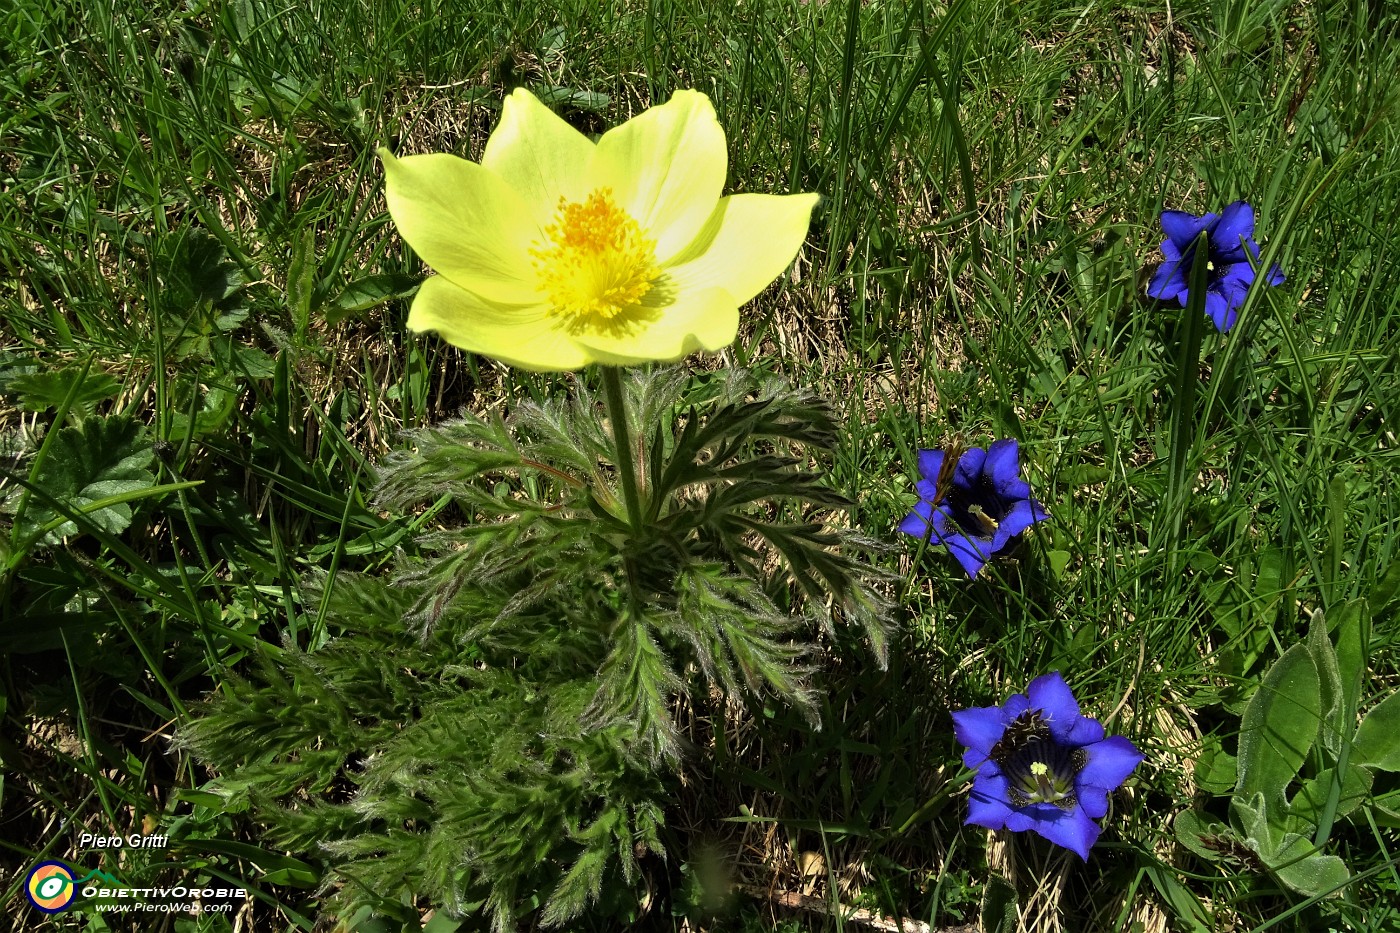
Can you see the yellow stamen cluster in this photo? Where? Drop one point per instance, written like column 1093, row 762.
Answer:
column 595, row 262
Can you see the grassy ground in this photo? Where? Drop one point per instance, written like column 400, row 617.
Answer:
column 193, row 234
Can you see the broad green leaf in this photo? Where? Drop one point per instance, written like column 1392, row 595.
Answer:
column 1378, row 737
column 98, row 459
column 301, row 280
column 1201, row 834
column 556, row 95
column 216, row 406
column 1249, row 817
column 370, row 291
column 1309, row 874
column 442, row 923
column 1269, row 577
column 999, row 910
column 1308, row 803
column 1387, row 587
column 1385, row 808
column 1216, row 769
column 1329, row 684
column 248, row 361
column 42, row 391
column 1352, row 630
column 198, row 271
column 1279, row 727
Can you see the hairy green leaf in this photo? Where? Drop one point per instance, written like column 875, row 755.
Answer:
column 1310, row 873
column 95, row 460
column 1278, row 728
column 1378, row 736
column 46, row 390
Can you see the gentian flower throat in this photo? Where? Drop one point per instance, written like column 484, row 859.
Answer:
column 1038, row 769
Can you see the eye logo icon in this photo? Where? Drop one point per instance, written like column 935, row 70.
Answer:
column 50, row 887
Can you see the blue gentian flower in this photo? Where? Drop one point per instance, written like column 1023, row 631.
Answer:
column 1042, row 766
column 977, row 502
column 1228, row 270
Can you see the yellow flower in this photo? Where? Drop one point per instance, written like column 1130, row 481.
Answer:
column 556, row 252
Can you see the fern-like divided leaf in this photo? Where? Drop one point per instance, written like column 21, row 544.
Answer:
column 492, row 729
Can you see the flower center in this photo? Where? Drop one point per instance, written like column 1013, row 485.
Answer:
column 1037, row 768
column 979, row 511
column 985, row 524
column 594, row 262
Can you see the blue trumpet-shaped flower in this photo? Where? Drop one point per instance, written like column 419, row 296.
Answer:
column 976, row 502
column 1042, row 766
column 1229, row 272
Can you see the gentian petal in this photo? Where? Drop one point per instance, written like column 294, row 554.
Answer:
column 1021, row 819
column 746, row 244
column 1004, row 467
column 969, row 468
column 1109, row 762
column 1073, row 830
column 930, row 463
column 943, row 524
column 916, row 522
column 1015, row 705
column 1275, row 275
column 979, row 729
column 1169, row 281
column 666, row 167
column 540, row 156
column 1091, row 799
column 1183, row 228
column 1235, row 229
column 1021, row 516
column 1237, row 275
column 1218, row 307
column 988, row 804
column 1234, row 284
column 1000, row 539
column 1108, row 765
column 1085, row 730
column 527, row 336
column 1051, row 695
column 972, row 553
column 465, row 222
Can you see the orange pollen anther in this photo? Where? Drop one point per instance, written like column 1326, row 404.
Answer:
column 594, row 262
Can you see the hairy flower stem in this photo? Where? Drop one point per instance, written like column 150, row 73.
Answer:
column 622, row 440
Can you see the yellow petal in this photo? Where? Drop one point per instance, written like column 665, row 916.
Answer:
column 749, row 240
column 465, row 222
column 527, row 336
column 539, row 155
column 703, row 319
column 666, row 168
